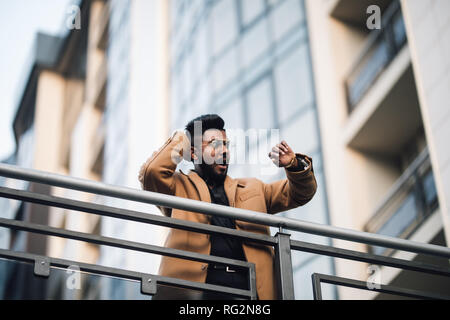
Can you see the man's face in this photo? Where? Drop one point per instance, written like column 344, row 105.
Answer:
column 215, row 154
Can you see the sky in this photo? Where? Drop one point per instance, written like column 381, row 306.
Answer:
column 20, row 20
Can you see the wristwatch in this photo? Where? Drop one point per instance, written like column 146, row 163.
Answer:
column 301, row 163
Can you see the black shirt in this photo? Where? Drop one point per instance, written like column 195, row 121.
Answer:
column 223, row 246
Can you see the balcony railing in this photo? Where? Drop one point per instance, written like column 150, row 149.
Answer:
column 410, row 201
column 102, row 27
column 100, row 84
column 382, row 47
column 281, row 242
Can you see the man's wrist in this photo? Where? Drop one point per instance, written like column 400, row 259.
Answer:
column 293, row 163
column 298, row 164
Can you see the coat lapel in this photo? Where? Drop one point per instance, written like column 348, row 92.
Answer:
column 201, row 186
column 230, row 186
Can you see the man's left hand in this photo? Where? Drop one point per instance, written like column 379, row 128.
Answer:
column 282, row 155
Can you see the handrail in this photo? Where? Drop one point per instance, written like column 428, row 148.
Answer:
column 124, row 214
column 118, row 243
column 127, row 193
column 145, row 278
column 319, row 278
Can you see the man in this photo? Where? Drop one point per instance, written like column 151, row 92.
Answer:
column 209, row 182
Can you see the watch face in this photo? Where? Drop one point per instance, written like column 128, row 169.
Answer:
column 304, row 163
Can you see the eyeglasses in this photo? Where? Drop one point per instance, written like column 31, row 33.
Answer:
column 217, row 144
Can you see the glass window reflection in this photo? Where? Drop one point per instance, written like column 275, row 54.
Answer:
column 250, row 10
column 254, row 43
column 259, row 100
column 224, row 25
column 293, row 83
column 284, row 18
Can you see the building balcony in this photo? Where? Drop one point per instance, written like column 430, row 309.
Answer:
column 384, row 109
column 100, row 84
column 98, row 149
column 101, row 34
column 353, row 12
column 410, row 201
column 383, row 45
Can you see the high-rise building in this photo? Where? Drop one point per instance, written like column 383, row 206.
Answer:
column 90, row 107
column 380, row 80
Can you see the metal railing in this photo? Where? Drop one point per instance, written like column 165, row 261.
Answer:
column 382, row 47
column 281, row 242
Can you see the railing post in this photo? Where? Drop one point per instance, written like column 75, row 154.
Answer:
column 283, row 267
column 317, row 290
column 252, row 282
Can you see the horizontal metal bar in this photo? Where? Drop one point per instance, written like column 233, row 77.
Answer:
column 379, row 288
column 120, row 243
column 164, row 200
column 124, row 274
column 131, row 215
column 369, row 258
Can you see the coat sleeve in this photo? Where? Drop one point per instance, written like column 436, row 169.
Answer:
column 296, row 190
column 157, row 174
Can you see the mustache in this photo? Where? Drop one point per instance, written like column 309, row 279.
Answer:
column 210, row 175
column 221, row 159
column 225, row 160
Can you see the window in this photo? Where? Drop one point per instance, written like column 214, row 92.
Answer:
column 175, row 93
column 200, row 51
column 429, row 188
column 188, row 76
column 250, row 10
column 182, row 89
column 224, row 25
column 233, row 114
column 273, row 2
column 303, row 133
column 293, row 83
column 200, row 101
column 259, row 99
column 225, row 69
column 285, row 17
column 254, row 43
column 399, row 222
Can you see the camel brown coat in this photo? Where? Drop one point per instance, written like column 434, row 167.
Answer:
column 158, row 175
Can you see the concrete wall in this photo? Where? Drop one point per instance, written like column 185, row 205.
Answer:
column 428, row 30
column 332, row 111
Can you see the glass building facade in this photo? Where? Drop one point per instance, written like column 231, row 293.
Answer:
column 249, row 62
column 115, row 158
column 117, row 97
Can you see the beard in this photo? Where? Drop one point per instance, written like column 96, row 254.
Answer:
column 211, row 175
